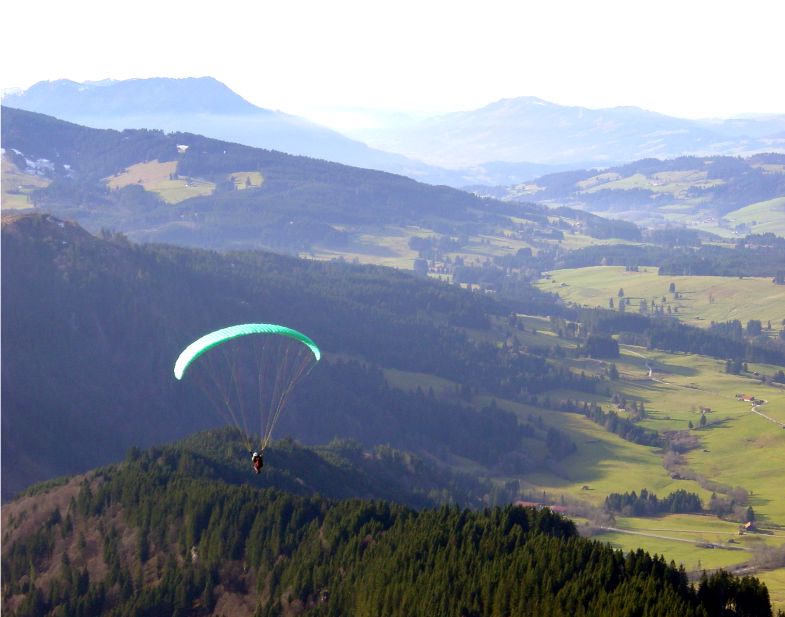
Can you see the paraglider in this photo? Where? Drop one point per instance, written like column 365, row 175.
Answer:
column 257, row 461
column 248, row 372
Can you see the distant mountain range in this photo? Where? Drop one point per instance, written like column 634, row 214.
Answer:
column 207, row 107
column 506, row 142
column 531, row 129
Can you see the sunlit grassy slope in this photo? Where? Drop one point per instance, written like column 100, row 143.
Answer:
column 389, row 246
column 702, row 299
column 161, row 178
column 18, row 185
column 761, row 217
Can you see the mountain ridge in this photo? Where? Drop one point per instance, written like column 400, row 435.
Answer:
column 532, row 129
column 206, row 106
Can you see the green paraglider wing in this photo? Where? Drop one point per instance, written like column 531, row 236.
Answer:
column 208, row 341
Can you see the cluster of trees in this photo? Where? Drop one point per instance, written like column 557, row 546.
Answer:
column 709, row 260
column 623, row 427
column 671, row 335
column 433, row 247
column 600, row 346
column 647, row 504
column 734, row 328
column 196, row 539
column 746, row 259
column 661, row 332
column 733, row 507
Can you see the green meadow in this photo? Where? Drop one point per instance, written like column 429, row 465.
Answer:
column 17, row 186
column 388, row 247
column 161, row 178
column 775, row 581
column 701, row 299
column 246, row 179
column 675, row 183
column 761, row 217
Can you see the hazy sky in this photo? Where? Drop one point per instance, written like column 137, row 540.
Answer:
column 690, row 58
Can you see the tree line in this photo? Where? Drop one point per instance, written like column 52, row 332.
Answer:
column 196, row 539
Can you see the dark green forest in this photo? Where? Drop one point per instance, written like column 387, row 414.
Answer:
column 751, row 256
column 170, row 532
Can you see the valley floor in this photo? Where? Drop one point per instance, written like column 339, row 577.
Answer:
column 738, row 452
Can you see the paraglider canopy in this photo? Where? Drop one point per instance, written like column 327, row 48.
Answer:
column 208, row 341
column 248, row 372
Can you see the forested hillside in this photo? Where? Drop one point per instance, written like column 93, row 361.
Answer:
column 204, row 194
column 91, row 328
column 165, row 533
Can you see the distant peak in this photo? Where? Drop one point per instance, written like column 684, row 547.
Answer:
column 134, row 96
column 521, row 102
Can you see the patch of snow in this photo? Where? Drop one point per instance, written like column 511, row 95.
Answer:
column 38, row 167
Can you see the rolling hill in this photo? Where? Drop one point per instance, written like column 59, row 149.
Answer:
column 723, row 195
column 192, row 190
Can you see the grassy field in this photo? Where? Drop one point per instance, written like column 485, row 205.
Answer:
column 157, row 178
column 761, row 217
column 737, row 449
column 575, row 241
column 17, row 186
column 775, row 581
column 407, row 380
column 389, row 247
column 702, row 299
column 675, row 183
column 246, row 179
